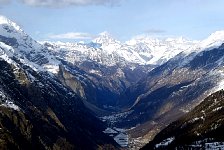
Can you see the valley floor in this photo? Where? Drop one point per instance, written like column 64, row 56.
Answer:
column 122, row 136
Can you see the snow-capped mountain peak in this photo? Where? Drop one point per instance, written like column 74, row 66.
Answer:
column 6, row 21
column 13, row 35
column 105, row 38
column 107, row 42
column 24, row 48
column 157, row 51
column 217, row 35
column 214, row 40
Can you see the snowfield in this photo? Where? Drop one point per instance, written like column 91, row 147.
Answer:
column 10, row 104
column 165, row 142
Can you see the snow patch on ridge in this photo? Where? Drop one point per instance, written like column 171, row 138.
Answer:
column 4, row 20
column 10, row 104
column 165, row 142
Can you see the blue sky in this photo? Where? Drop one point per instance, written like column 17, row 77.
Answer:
column 68, row 20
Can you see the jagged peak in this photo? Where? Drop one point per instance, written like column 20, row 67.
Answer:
column 10, row 29
column 105, row 38
column 217, row 35
column 4, row 20
column 214, row 40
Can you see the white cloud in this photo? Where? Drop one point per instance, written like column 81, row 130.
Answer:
column 72, row 35
column 155, row 31
column 62, row 3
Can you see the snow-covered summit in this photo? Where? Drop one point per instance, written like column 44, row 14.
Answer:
column 13, row 35
column 105, row 38
column 158, row 51
column 214, row 40
column 10, row 29
column 108, row 43
column 24, row 48
column 4, row 20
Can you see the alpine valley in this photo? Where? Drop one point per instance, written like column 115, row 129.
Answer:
column 108, row 94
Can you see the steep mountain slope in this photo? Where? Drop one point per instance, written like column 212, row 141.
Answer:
column 54, row 116
column 25, row 48
column 174, row 88
column 202, row 128
column 98, row 84
column 37, row 111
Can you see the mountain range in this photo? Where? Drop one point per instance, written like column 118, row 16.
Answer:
column 56, row 95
